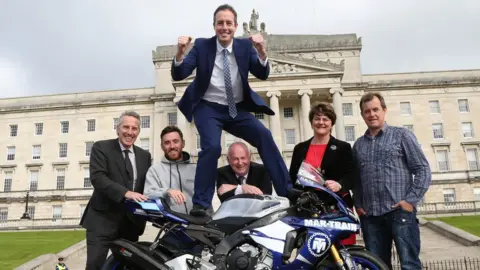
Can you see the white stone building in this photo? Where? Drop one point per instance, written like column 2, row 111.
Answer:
column 46, row 140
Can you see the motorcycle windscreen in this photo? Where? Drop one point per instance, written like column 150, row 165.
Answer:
column 308, row 176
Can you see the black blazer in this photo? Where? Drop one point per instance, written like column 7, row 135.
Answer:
column 105, row 209
column 257, row 176
column 337, row 164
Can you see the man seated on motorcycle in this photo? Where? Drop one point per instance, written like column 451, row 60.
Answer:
column 172, row 178
column 241, row 176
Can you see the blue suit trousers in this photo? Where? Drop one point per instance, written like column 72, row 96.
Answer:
column 210, row 119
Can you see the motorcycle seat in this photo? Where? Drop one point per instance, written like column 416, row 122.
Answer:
column 190, row 219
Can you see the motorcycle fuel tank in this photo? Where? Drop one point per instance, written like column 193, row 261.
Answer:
column 251, row 206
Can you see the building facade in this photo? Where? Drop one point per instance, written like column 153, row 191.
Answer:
column 46, row 140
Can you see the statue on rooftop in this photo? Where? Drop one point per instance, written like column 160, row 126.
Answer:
column 252, row 26
column 253, row 21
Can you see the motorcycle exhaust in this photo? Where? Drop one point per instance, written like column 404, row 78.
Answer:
column 136, row 256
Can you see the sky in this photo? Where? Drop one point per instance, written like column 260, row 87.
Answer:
column 67, row 46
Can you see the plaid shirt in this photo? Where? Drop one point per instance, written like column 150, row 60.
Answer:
column 387, row 165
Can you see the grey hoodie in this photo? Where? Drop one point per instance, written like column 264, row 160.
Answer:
column 169, row 174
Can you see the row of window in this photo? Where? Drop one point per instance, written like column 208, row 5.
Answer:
column 65, row 126
column 437, row 131
column 34, row 177
column 288, row 113
column 443, row 161
column 441, row 157
column 406, row 109
column 434, row 105
column 450, row 196
column 63, row 149
column 56, row 212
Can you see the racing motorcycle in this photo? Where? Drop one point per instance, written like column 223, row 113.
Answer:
column 251, row 232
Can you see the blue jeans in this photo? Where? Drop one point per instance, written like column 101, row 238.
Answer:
column 400, row 226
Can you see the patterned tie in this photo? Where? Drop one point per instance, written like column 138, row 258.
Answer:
column 232, row 109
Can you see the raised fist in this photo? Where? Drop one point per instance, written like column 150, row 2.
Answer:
column 183, row 43
column 258, row 43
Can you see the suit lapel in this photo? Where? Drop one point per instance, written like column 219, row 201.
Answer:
column 231, row 174
column 330, row 151
column 212, row 51
column 138, row 165
column 304, row 148
column 250, row 177
column 238, row 54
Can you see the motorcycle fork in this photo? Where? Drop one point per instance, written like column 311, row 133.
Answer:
column 336, row 257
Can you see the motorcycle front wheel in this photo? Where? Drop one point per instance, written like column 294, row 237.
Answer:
column 363, row 260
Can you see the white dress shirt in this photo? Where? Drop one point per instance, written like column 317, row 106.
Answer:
column 216, row 90
column 239, row 189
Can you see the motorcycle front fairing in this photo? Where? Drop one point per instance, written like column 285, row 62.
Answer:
column 308, row 176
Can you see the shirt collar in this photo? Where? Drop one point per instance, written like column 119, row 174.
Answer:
column 220, row 47
column 384, row 129
column 123, row 147
column 244, row 177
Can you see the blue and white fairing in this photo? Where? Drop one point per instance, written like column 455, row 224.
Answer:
column 152, row 210
column 322, row 231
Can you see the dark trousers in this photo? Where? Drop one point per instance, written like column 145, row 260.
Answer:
column 210, row 119
column 400, row 226
column 98, row 244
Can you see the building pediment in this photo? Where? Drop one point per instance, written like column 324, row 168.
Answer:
column 288, row 63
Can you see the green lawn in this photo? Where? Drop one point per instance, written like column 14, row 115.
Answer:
column 469, row 224
column 17, row 248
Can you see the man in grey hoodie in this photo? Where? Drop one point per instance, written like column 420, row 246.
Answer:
column 172, row 178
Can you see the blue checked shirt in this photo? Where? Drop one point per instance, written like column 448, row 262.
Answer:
column 391, row 167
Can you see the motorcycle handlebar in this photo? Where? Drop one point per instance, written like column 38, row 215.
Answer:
column 303, row 200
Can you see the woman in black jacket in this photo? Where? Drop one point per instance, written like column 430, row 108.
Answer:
column 332, row 157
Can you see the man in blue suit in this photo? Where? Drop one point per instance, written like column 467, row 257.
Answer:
column 220, row 98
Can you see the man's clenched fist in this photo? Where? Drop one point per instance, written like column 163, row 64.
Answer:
column 258, row 43
column 182, row 45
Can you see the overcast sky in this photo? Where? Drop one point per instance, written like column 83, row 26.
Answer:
column 61, row 46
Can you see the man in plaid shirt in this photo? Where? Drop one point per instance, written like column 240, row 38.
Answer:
column 393, row 176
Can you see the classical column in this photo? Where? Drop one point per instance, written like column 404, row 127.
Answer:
column 337, row 105
column 185, row 127
column 307, row 129
column 159, row 122
column 275, row 119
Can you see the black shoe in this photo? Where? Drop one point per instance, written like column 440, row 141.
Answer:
column 198, row 211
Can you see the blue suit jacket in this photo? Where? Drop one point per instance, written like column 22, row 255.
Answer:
column 202, row 57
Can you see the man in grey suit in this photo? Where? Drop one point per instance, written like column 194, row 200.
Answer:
column 115, row 177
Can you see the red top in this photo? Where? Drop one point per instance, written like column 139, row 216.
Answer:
column 315, row 154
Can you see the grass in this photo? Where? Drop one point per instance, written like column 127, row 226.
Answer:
column 17, row 248
column 469, row 224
